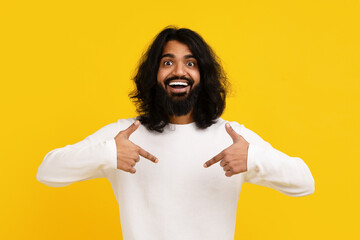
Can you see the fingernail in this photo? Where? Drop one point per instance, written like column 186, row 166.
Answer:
column 156, row 160
column 227, row 125
column 205, row 166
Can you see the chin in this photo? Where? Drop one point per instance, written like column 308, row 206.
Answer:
column 179, row 96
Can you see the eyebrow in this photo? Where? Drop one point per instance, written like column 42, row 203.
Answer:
column 173, row 56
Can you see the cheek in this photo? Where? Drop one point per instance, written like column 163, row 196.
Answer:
column 196, row 76
column 161, row 76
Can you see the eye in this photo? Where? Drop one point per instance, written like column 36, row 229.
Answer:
column 190, row 64
column 167, row 63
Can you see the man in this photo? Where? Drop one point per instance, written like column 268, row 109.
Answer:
column 160, row 164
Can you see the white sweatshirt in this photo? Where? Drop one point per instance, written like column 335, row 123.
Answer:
column 176, row 198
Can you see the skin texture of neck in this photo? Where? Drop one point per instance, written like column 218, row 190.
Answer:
column 185, row 119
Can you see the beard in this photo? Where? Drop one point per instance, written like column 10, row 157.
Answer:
column 177, row 104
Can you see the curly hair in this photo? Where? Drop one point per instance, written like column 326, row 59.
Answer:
column 210, row 103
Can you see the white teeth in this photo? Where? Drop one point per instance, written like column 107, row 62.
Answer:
column 178, row 83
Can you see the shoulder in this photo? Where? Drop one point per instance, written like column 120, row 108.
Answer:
column 238, row 127
column 112, row 129
column 125, row 122
column 248, row 134
column 235, row 125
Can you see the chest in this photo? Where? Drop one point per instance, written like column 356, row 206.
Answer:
column 180, row 170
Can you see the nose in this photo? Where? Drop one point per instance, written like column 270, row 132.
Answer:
column 179, row 70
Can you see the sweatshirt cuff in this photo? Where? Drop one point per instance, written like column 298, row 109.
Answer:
column 110, row 154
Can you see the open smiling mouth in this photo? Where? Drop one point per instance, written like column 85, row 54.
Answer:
column 179, row 86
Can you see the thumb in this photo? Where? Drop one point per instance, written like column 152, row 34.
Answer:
column 132, row 128
column 235, row 137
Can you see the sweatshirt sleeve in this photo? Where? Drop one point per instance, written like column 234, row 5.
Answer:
column 87, row 159
column 269, row 167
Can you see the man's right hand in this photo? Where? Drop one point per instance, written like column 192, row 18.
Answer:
column 128, row 153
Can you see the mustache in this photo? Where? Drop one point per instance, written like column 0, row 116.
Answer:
column 167, row 81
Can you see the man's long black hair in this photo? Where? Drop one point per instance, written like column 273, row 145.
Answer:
column 213, row 81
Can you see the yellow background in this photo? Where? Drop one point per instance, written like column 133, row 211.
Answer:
column 294, row 67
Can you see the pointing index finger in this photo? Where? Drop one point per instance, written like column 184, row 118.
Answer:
column 147, row 155
column 215, row 159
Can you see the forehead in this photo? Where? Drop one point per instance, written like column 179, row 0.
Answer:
column 176, row 48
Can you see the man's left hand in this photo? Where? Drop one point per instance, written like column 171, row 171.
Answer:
column 234, row 158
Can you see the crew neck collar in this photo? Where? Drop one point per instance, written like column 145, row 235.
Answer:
column 189, row 124
column 182, row 125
